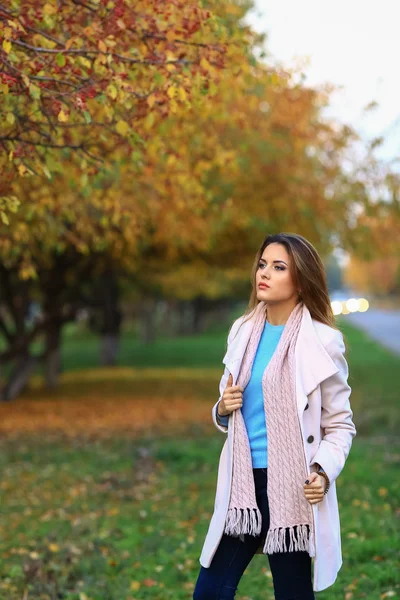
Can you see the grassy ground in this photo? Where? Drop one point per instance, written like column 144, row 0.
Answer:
column 108, row 484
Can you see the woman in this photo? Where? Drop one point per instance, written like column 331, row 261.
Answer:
column 284, row 402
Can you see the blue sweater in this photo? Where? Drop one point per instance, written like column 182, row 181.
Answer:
column 253, row 401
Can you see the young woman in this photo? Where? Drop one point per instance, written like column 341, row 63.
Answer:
column 284, row 403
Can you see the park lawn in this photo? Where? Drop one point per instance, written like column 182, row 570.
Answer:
column 108, row 484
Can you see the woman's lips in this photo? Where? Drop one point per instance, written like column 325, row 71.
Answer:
column 263, row 286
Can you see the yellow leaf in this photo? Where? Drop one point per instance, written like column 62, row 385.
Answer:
column 170, row 35
column 109, row 111
column 122, row 127
column 113, row 511
column 102, row 46
column 62, row 116
column 205, row 64
column 171, row 91
column 49, row 9
column 46, row 172
column 26, row 80
column 17, row 25
column 88, row 31
column 4, row 218
column 171, row 160
column 54, row 547
column 4, row 89
column 149, row 120
column 10, row 118
column 112, row 91
column 182, row 93
column 212, row 90
column 151, row 100
column 85, row 62
column 6, row 46
column 34, row 91
column 121, row 24
column 135, row 585
column 69, row 43
column 97, row 65
column 22, row 169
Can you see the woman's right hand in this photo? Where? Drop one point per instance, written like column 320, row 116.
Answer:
column 231, row 398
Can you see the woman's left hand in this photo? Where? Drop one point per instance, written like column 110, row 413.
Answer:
column 314, row 491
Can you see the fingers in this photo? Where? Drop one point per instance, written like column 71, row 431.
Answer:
column 313, row 491
column 312, row 485
column 233, row 393
column 314, row 497
column 312, row 477
column 232, row 396
column 232, row 388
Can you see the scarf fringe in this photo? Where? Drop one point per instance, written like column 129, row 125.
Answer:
column 276, row 540
column 243, row 520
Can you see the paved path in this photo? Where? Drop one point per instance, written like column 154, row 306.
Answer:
column 382, row 325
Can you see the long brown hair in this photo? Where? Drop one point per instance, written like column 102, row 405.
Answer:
column 308, row 273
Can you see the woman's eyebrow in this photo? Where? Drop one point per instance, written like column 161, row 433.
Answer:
column 274, row 261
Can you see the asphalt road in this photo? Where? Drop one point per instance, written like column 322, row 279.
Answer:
column 381, row 325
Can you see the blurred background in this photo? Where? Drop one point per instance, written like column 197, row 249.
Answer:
column 146, row 151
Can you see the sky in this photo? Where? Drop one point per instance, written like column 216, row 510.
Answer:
column 350, row 43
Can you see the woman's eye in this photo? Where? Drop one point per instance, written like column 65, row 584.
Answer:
column 260, row 265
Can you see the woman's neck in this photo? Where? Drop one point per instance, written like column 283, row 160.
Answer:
column 278, row 314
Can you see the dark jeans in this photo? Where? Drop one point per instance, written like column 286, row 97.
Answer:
column 291, row 571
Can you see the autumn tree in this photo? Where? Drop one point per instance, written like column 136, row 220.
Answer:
column 79, row 221
column 75, row 73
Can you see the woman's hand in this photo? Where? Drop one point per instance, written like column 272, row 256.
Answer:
column 314, row 491
column 231, row 398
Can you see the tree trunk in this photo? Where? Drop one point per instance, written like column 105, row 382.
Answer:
column 111, row 318
column 147, row 319
column 109, row 349
column 19, row 377
column 53, row 355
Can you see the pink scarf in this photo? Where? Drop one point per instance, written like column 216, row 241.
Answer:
column 287, row 467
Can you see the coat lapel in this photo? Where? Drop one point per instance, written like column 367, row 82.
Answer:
column 313, row 362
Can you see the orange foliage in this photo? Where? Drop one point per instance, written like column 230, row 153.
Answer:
column 96, row 414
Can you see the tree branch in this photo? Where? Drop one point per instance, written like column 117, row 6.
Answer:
column 87, row 52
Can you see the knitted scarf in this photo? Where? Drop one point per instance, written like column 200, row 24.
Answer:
column 287, row 468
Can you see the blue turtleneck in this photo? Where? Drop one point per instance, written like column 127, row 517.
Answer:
column 253, row 401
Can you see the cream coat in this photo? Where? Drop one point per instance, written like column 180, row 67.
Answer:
column 324, row 411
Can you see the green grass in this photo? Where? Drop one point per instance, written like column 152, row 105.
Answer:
column 99, row 519
column 125, row 519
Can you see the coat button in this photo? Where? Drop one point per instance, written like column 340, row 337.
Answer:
column 310, row 438
column 306, row 406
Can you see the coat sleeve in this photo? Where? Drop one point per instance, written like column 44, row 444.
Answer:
column 221, row 423
column 336, row 414
column 217, row 422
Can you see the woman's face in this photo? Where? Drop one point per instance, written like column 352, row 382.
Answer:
column 274, row 270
